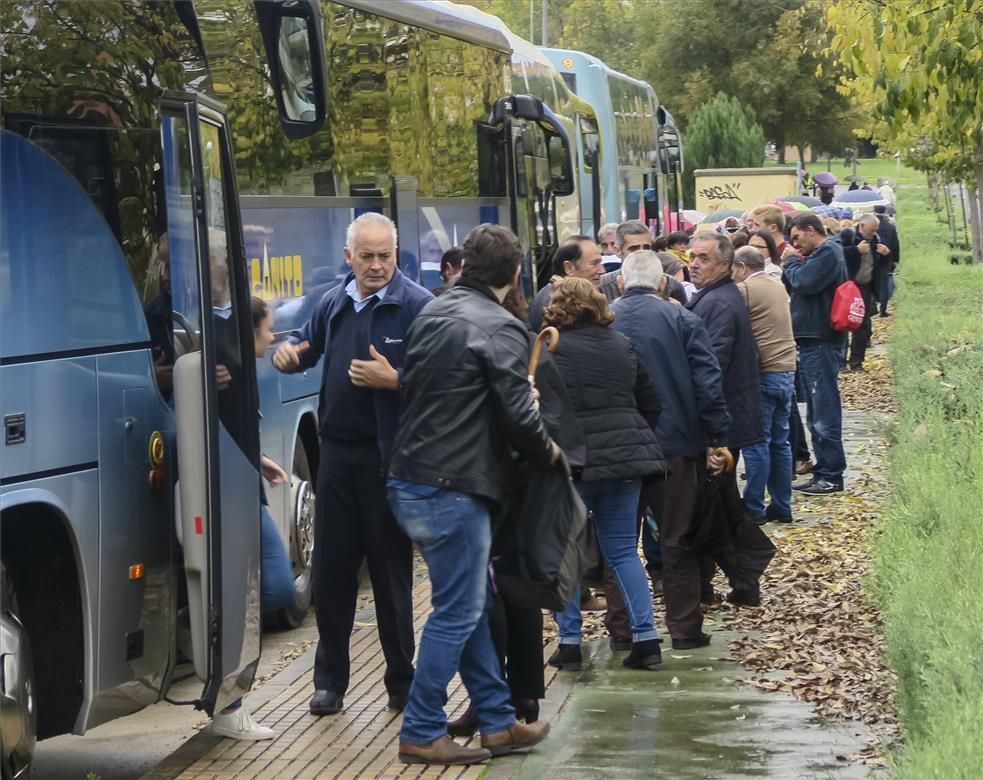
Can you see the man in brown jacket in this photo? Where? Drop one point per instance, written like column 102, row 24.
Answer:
column 769, row 462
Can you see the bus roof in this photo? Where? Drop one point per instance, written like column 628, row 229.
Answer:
column 581, row 61
column 444, row 18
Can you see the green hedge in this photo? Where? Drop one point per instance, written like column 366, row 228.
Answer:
column 928, row 554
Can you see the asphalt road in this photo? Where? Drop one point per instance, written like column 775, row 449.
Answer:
column 126, row 748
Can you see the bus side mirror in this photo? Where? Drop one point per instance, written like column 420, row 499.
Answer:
column 561, row 169
column 294, row 45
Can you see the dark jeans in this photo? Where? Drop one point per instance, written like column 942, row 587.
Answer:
column 769, row 462
column 820, row 364
column 885, row 289
column 860, row 338
column 796, row 432
column 354, row 522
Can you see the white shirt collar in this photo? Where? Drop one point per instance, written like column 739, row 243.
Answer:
column 357, row 300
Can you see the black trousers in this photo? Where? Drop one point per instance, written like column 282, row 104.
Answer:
column 354, row 523
column 518, row 636
column 860, row 338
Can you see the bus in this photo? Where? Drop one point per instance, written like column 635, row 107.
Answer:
column 640, row 179
column 160, row 163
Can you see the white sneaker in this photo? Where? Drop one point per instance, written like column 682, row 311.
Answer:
column 239, row 724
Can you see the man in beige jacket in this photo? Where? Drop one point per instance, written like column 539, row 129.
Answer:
column 769, row 463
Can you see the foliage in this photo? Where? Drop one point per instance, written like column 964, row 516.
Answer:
column 927, row 571
column 770, row 54
column 918, row 63
column 722, row 134
column 605, row 28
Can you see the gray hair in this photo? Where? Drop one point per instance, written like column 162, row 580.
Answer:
column 630, row 228
column 751, row 257
column 869, row 219
column 606, row 230
column 642, row 269
column 725, row 249
column 368, row 218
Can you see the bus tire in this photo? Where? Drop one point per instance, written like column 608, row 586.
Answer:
column 19, row 726
column 301, row 545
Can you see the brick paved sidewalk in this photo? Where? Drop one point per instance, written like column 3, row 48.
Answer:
column 360, row 742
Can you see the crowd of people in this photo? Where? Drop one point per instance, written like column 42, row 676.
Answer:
column 676, row 357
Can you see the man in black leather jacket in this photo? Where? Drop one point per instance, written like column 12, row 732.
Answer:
column 466, row 402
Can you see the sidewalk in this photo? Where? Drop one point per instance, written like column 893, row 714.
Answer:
column 702, row 714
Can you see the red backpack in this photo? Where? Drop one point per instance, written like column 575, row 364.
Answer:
column 848, row 310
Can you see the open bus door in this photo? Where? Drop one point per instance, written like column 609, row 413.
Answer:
column 215, row 400
column 539, row 169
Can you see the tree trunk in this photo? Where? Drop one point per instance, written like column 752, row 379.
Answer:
column 976, row 208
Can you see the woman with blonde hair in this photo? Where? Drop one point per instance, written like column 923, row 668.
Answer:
column 617, row 406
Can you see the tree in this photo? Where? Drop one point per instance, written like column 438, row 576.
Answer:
column 770, row 54
column 920, row 65
column 722, row 134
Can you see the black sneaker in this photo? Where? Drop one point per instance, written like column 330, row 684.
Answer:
column 819, row 487
column 691, row 644
column 567, row 658
column 644, row 655
column 755, row 519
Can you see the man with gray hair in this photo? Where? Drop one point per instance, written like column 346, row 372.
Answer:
column 769, row 462
column 360, row 328
column 674, row 347
column 742, row 550
column 862, row 249
column 607, row 240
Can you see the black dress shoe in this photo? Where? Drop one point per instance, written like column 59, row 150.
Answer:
column 619, row 643
column 327, row 703
column 744, row 597
column 397, row 701
column 684, row 643
column 777, row 517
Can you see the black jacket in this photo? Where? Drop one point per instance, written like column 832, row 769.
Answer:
column 673, row 346
column 616, row 402
column 812, row 282
column 724, row 313
column 889, row 235
column 466, row 397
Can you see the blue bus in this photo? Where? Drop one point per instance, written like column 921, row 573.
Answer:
column 641, row 158
column 160, row 163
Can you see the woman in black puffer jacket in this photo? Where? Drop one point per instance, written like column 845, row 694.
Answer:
column 618, row 408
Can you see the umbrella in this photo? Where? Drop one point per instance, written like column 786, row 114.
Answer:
column 825, row 179
column 864, row 197
column 826, row 211
column 806, row 199
column 692, row 217
column 786, row 207
column 717, row 216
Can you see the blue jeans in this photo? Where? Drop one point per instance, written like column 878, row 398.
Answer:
column 614, row 505
column 453, row 531
column 769, row 462
column 276, row 576
column 820, row 364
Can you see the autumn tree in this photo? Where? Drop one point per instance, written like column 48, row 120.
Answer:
column 722, row 134
column 919, row 65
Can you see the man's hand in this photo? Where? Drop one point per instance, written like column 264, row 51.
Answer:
column 376, row 373
column 883, row 249
column 719, row 460
column 287, row 357
column 222, row 377
column 272, row 472
column 863, row 247
column 556, row 452
column 789, row 251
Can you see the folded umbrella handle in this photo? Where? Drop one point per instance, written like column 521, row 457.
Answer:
column 554, row 340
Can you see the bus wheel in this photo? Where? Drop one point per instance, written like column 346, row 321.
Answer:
column 301, row 538
column 19, row 725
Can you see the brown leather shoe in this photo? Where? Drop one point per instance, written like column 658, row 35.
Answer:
column 444, row 751
column 518, row 736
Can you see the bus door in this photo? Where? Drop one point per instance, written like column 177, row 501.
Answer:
column 215, row 400
column 539, row 169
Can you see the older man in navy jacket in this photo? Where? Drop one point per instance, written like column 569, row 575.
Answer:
column 673, row 346
column 360, row 328
column 742, row 551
